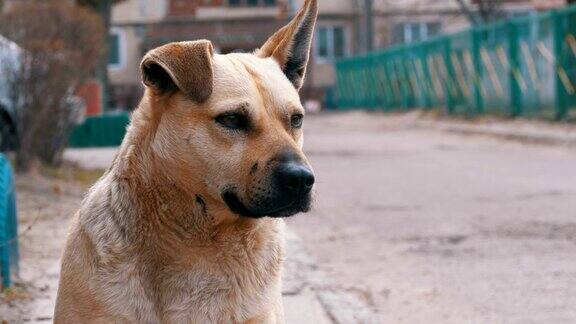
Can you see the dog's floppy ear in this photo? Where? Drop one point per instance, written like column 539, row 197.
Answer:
column 186, row 66
column 290, row 46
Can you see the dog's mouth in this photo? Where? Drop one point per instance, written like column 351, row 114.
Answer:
column 277, row 209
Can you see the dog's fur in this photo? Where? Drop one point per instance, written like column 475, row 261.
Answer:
column 154, row 241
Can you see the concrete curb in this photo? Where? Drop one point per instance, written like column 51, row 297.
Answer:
column 518, row 131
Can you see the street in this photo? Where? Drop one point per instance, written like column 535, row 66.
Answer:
column 431, row 227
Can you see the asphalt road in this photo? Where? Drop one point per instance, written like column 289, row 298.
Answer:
column 432, row 227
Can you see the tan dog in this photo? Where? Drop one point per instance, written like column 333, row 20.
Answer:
column 175, row 231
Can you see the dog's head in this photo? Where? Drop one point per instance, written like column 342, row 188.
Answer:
column 230, row 126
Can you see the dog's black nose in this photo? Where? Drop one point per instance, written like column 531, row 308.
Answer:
column 295, row 178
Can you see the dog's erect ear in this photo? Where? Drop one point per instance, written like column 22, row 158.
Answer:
column 290, row 46
column 186, row 66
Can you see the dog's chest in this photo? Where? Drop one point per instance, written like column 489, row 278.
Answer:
column 225, row 295
column 227, row 287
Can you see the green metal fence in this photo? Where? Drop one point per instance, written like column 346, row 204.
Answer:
column 100, row 131
column 521, row 67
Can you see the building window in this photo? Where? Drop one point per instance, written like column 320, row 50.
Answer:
column 115, row 49
column 414, row 32
column 251, row 3
column 330, row 42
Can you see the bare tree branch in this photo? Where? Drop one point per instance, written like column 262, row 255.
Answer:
column 481, row 11
column 467, row 11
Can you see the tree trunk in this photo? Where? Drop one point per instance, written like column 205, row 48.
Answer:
column 104, row 8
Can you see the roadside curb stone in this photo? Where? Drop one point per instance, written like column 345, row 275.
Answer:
column 518, row 130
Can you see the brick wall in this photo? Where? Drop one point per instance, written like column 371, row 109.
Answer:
column 548, row 4
column 188, row 7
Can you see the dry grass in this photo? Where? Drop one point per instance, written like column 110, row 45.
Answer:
column 15, row 293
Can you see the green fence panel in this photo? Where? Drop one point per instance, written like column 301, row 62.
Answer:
column 535, row 71
column 100, row 131
column 522, row 67
column 565, row 52
column 463, row 72
column 569, row 59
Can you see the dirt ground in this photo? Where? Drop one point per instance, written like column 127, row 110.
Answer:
column 433, row 227
column 423, row 225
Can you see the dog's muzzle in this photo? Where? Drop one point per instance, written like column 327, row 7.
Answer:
column 287, row 192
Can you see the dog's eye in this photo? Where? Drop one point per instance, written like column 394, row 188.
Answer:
column 296, row 120
column 233, row 121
